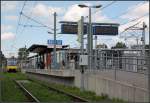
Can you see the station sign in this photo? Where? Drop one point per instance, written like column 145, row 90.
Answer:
column 51, row 43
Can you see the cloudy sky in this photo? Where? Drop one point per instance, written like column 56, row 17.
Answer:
column 15, row 36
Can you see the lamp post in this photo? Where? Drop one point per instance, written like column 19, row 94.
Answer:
column 90, row 35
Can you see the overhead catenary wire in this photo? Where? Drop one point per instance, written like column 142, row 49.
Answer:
column 36, row 21
column 129, row 27
column 123, row 13
column 135, row 19
column 22, row 24
column 138, row 18
column 20, row 15
column 101, row 8
column 28, row 19
column 23, row 6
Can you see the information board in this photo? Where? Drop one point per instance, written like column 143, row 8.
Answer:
column 105, row 30
column 71, row 29
column 97, row 28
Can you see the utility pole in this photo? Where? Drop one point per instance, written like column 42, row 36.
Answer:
column 82, row 49
column 143, row 38
column 149, row 70
column 95, row 51
column 137, row 43
column 0, row 56
column 0, row 69
column 82, row 35
column 90, row 41
column 55, row 40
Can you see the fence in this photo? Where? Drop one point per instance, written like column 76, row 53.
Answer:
column 131, row 60
column 122, row 59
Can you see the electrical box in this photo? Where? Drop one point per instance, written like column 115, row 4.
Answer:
column 83, row 60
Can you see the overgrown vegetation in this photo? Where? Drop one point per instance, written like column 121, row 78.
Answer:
column 89, row 95
column 44, row 94
column 11, row 92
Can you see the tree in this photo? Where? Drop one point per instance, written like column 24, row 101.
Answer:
column 147, row 46
column 119, row 45
column 101, row 46
column 23, row 53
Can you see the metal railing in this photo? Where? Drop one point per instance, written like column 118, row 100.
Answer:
column 123, row 59
column 130, row 60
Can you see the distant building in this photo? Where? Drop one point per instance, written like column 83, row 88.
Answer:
column 137, row 47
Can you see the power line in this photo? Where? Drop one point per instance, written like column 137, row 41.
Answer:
column 20, row 15
column 123, row 13
column 129, row 27
column 36, row 21
column 23, row 25
column 102, row 8
column 19, row 19
column 30, row 15
column 135, row 19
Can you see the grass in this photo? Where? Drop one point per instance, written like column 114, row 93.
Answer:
column 91, row 96
column 45, row 95
column 11, row 92
column 18, row 75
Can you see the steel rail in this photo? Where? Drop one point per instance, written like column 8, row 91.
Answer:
column 74, row 97
column 27, row 93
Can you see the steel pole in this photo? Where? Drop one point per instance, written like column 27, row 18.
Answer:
column 82, row 52
column 0, row 56
column 90, row 38
column 95, row 52
column 54, row 40
column 143, row 38
column 149, row 70
column 82, row 35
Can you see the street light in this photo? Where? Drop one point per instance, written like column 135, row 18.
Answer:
column 90, row 35
column 82, row 6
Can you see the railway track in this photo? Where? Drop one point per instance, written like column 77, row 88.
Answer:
column 74, row 97
column 30, row 97
column 35, row 98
